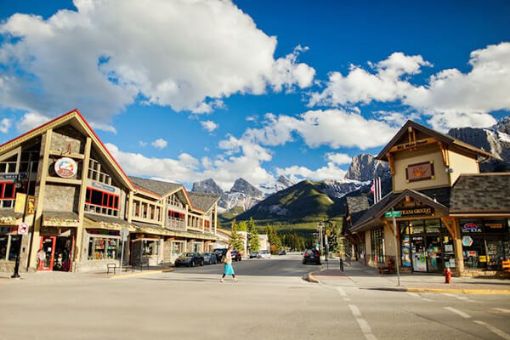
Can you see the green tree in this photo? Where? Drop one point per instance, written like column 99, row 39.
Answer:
column 235, row 238
column 253, row 236
column 274, row 239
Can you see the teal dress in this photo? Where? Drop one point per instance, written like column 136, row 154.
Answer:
column 228, row 269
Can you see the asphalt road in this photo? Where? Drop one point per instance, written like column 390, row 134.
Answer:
column 270, row 301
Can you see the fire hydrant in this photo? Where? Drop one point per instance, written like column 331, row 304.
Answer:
column 447, row 275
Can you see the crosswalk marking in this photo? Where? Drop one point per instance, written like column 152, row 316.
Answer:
column 458, row 312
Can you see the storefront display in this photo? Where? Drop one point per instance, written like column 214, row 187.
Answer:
column 9, row 244
column 377, row 245
column 104, row 248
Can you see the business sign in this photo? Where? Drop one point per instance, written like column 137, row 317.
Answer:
column 66, row 167
column 420, row 171
column 467, row 241
column 471, row 228
column 390, row 214
column 409, row 212
column 22, row 228
column 104, row 187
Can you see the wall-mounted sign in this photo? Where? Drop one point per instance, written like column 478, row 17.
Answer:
column 66, row 167
column 418, row 211
column 104, row 187
column 22, row 228
column 420, row 171
column 471, row 228
column 467, row 241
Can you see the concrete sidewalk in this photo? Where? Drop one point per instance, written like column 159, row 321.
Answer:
column 369, row 278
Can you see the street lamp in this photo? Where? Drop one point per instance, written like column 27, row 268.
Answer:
column 18, row 178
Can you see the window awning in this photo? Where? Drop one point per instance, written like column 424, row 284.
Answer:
column 8, row 217
column 92, row 221
column 60, row 219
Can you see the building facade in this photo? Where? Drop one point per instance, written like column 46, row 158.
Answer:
column 60, row 183
column 447, row 213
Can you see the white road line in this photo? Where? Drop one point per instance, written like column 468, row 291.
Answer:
column 458, row 297
column 416, row 295
column 502, row 310
column 494, row 330
column 341, row 291
column 458, row 312
column 362, row 323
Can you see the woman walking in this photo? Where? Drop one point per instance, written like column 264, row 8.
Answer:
column 227, row 265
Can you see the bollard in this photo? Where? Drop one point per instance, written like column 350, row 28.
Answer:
column 341, row 265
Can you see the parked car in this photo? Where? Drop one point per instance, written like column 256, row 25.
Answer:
column 282, row 252
column 264, row 254
column 190, row 260
column 311, row 256
column 254, row 255
column 220, row 252
column 210, row 258
column 236, row 256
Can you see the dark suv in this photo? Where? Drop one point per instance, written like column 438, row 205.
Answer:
column 236, row 256
column 220, row 253
column 312, row 256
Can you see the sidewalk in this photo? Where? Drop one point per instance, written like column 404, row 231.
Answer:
column 369, row 278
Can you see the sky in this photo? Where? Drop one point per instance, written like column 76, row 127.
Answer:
column 185, row 90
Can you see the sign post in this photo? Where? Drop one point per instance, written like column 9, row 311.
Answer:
column 124, row 232
column 393, row 214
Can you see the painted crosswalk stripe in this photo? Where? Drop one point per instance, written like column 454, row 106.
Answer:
column 502, row 310
column 362, row 323
column 494, row 330
column 416, row 295
column 458, row 312
column 458, row 297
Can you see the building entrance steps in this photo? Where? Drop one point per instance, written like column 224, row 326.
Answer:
column 363, row 277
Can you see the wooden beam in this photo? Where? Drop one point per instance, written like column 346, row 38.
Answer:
column 64, row 154
column 450, row 226
column 391, row 162
column 71, row 181
column 412, row 145
column 444, row 153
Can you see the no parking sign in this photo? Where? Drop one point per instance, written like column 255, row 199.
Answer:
column 22, row 228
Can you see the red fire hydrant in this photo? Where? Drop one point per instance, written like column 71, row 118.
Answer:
column 447, row 275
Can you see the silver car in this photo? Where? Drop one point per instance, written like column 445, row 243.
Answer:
column 210, row 258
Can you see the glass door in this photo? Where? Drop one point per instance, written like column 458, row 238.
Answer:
column 419, row 254
column 434, row 253
column 46, row 253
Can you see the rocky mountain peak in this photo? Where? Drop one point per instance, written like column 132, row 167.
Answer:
column 207, row 186
column 365, row 167
column 243, row 186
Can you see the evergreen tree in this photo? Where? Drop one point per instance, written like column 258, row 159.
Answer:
column 274, row 239
column 253, row 236
column 235, row 238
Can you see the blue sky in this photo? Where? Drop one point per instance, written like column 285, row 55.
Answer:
column 185, row 90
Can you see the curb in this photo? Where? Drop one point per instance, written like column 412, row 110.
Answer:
column 139, row 274
column 310, row 278
column 446, row 290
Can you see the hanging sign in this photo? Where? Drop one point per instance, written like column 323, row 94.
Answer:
column 467, row 241
column 471, row 228
column 66, row 167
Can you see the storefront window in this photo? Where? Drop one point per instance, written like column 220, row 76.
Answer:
column 177, row 248
column 485, row 243
column 103, row 248
column 377, row 245
column 150, row 247
column 4, row 241
column 14, row 248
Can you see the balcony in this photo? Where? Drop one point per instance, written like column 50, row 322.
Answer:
column 102, row 210
column 175, row 224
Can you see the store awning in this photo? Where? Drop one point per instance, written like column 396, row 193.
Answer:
column 60, row 219
column 154, row 229
column 9, row 217
column 92, row 221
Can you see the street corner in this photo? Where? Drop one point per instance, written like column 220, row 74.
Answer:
column 310, row 277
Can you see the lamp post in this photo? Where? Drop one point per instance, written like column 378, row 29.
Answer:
column 16, row 275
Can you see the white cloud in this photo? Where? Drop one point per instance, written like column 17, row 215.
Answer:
column 335, row 128
column 5, row 125
column 31, row 120
column 159, row 143
column 450, row 98
column 330, row 171
column 384, row 84
column 142, row 143
column 209, row 125
column 183, row 54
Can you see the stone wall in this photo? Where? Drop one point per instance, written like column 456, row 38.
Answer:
column 61, row 198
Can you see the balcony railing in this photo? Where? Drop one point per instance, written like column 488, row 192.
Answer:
column 98, row 209
column 176, row 224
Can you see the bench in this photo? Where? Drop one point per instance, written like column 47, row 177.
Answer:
column 505, row 265
column 387, row 268
column 111, row 267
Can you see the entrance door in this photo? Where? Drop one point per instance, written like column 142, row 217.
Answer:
column 63, row 254
column 434, row 253
column 46, row 253
column 419, row 254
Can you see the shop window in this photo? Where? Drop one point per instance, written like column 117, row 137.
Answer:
column 7, row 194
column 14, row 247
column 4, row 243
column 377, row 245
column 178, row 247
column 102, row 248
column 433, row 226
column 150, row 247
column 102, row 202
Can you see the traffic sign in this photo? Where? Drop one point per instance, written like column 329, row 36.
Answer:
column 22, row 228
column 124, row 232
column 395, row 213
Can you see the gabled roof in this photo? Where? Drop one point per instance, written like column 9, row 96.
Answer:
column 159, row 187
column 377, row 211
column 447, row 140
column 203, row 202
column 481, row 193
column 71, row 116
